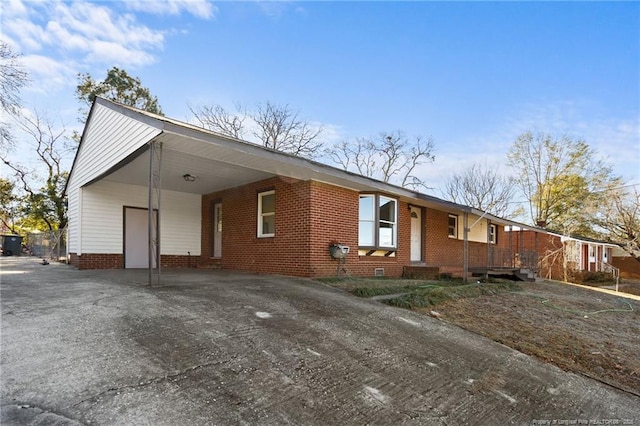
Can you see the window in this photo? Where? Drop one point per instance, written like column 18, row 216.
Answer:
column 493, row 234
column 267, row 214
column 453, row 226
column 377, row 222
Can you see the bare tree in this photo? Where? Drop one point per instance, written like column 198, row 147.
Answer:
column 619, row 216
column 391, row 157
column 484, row 188
column 273, row 126
column 12, row 78
column 218, row 119
column 44, row 203
column 281, row 129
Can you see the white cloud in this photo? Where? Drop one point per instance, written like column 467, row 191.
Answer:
column 14, row 8
column 615, row 138
column 199, row 8
column 47, row 75
column 28, row 35
column 81, row 32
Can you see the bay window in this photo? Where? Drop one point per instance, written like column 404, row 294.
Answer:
column 377, row 221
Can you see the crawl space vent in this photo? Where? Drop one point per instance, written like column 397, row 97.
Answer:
column 378, row 272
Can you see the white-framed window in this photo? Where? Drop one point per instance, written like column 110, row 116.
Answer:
column 267, row 214
column 378, row 223
column 493, row 234
column 453, row 226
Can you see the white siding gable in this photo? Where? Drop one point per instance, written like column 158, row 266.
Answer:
column 110, row 138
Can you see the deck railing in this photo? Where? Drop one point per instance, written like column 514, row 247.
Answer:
column 615, row 272
column 492, row 257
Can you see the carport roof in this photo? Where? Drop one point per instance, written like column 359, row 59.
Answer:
column 219, row 162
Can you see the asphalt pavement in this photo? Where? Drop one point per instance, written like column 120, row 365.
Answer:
column 218, row 348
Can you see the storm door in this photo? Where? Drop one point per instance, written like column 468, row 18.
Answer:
column 416, row 234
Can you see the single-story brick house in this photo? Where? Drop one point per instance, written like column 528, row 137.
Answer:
column 560, row 254
column 226, row 203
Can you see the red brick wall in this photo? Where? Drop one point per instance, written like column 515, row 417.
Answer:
column 440, row 250
column 287, row 253
column 97, row 261
column 178, row 261
column 309, row 217
column 334, row 217
column 116, row 261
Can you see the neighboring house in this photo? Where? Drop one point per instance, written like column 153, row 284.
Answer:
column 560, row 254
column 628, row 265
column 225, row 203
column 589, row 255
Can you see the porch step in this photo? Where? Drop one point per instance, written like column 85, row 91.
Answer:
column 525, row 275
column 421, row 272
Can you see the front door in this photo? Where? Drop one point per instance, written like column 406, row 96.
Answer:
column 136, row 237
column 217, row 230
column 416, row 234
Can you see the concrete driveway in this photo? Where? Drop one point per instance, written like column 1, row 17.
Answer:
column 214, row 347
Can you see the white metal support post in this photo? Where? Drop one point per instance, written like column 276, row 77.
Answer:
column 490, row 264
column 465, row 255
column 155, row 188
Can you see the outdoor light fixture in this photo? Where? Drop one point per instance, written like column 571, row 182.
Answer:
column 189, row 178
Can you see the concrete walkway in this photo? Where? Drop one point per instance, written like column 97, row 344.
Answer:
column 214, row 347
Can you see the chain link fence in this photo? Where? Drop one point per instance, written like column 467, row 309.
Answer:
column 47, row 245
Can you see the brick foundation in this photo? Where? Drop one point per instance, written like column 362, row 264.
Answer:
column 97, row 261
column 116, row 261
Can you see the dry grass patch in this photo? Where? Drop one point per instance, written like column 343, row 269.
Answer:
column 576, row 329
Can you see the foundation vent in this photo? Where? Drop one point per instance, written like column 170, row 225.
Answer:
column 378, row 272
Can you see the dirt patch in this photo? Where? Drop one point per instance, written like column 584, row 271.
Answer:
column 630, row 286
column 576, row 329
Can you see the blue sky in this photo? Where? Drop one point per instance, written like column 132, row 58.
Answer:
column 472, row 75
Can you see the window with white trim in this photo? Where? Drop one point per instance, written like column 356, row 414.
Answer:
column 453, row 226
column 267, row 214
column 378, row 225
column 493, row 234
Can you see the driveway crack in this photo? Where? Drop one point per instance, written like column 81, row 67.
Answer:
column 153, row 380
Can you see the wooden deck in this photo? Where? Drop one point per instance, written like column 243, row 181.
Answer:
column 517, row 273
